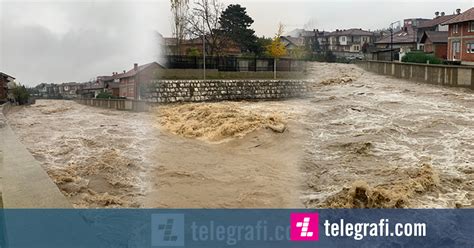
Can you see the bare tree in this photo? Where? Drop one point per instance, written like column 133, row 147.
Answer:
column 204, row 19
column 180, row 10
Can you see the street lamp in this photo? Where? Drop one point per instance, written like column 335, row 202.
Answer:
column 391, row 39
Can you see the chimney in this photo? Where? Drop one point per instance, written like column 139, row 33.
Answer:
column 437, row 13
column 442, row 13
column 124, row 71
column 135, row 67
column 458, row 11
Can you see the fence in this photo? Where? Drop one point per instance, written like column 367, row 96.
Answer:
column 118, row 104
column 447, row 75
column 233, row 63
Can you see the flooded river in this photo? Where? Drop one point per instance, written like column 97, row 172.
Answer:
column 359, row 140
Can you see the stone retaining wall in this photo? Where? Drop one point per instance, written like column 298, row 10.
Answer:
column 170, row 91
column 446, row 75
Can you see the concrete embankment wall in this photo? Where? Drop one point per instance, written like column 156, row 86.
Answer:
column 117, row 104
column 446, row 75
column 24, row 183
column 170, row 91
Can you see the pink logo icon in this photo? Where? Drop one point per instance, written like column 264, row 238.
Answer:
column 304, row 226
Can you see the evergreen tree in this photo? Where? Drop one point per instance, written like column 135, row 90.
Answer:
column 235, row 25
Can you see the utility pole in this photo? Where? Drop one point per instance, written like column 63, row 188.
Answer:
column 391, row 44
column 204, row 47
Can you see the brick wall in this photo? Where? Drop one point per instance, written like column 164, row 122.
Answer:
column 464, row 36
column 441, row 50
column 169, row 91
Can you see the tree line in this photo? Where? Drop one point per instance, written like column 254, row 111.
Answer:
column 221, row 28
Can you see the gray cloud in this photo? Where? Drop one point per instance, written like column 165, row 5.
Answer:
column 75, row 41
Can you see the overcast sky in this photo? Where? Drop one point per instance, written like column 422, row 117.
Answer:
column 63, row 41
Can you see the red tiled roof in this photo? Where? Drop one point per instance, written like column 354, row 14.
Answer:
column 133, row 72
column 436, row 21
column 172, row 41
column 297, row 41
column 6, row 75
column 435, row 36
column 352, row 31
column 401, row 36
column 466, row 16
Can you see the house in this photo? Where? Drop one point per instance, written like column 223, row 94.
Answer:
column 321, row 42
column 113, row 88
column 349, row 42
column 435, row 42
column 293, row 45
column 111, row 84
column 70, row 90
column 434, row 24
column 132, row 81
column 4, row 81
column 92, row 88
column 49, row 91
column 194, row 47
column 42, row 90
column 401, row 42
column 461, row 37
column 315, row 41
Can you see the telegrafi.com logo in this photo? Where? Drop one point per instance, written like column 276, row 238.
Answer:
column 304, row 227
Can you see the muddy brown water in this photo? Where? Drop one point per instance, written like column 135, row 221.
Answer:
column 359, row 140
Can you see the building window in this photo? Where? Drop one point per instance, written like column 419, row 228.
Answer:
column 343, row 38
column 471, row 26
column 455, row 28
column 470, row 47
column 456, row 47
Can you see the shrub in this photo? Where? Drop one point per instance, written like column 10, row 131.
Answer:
column 104, row 95
column 325, row 57
column 421, row 57
column 20, row 94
